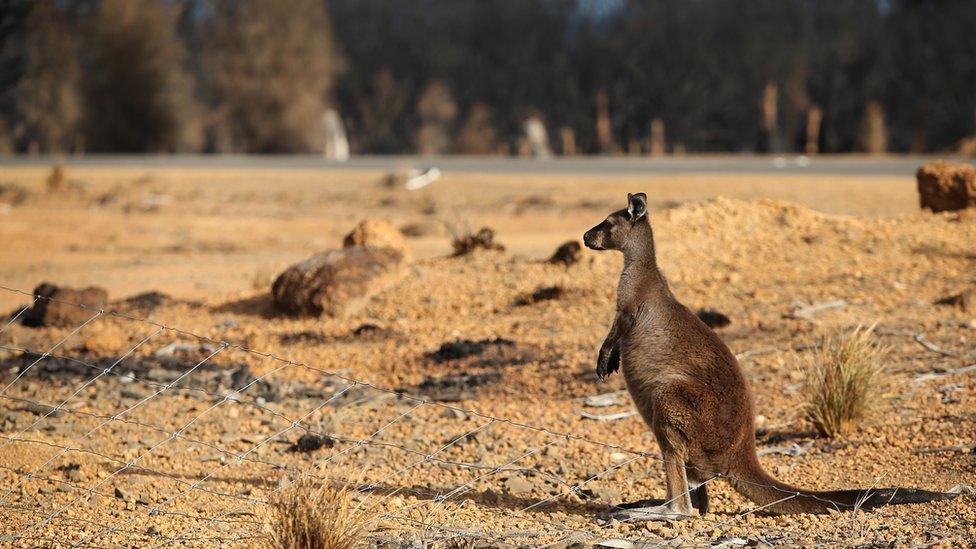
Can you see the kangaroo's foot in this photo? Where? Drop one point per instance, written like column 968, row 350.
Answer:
column 655, row 513
column 642, row 510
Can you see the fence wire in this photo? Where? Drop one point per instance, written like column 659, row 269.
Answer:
column 225, row 504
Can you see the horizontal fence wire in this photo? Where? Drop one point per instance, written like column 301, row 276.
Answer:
column 222, row 520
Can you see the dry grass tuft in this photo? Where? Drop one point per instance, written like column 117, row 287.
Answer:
column 306, row 516
column 842, row 381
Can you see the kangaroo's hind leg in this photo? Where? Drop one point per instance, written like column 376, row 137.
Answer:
column 677, row 506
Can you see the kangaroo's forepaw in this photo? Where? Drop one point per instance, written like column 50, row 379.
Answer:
column 656, row 513
column 606, row 367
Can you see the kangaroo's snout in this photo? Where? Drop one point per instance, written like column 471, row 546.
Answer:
column 593, row 238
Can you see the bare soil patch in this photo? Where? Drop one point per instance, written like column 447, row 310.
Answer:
column 487, row 458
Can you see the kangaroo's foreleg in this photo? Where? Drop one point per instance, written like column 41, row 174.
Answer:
column 608, row 360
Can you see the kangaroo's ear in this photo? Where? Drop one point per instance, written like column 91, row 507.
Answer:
column 636, row 205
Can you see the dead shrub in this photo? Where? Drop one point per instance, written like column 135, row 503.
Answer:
column 842, row 381
column 306, row 516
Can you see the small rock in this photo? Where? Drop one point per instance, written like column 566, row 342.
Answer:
column 616, row 544
column 120, row 494
column 518, row 486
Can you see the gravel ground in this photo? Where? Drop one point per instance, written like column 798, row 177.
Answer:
column 472, row 425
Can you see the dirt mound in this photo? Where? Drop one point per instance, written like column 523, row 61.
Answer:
column 946, row 186
column 717, row 212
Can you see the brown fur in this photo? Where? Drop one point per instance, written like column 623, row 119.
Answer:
column 689, row 388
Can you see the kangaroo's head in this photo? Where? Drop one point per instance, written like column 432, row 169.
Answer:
column 618, row 227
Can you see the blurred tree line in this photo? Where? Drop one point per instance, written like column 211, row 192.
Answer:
column 463, row 76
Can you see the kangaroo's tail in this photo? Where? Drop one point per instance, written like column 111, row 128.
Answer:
column 773, row 496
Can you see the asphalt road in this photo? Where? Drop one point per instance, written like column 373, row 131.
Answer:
column 840, row 164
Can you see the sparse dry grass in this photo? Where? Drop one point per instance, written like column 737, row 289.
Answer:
column 842, row 381
column 306, row 516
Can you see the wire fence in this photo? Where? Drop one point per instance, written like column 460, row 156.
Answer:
column 176, row 442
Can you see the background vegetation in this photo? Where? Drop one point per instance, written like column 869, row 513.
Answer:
column 462, row 76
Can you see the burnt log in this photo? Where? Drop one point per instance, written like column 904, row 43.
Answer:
column 337, row 282
column 63, row 306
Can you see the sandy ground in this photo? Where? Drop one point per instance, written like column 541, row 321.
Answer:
column 142, row 456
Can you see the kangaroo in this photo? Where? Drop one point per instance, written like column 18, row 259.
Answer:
column 691, row 392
